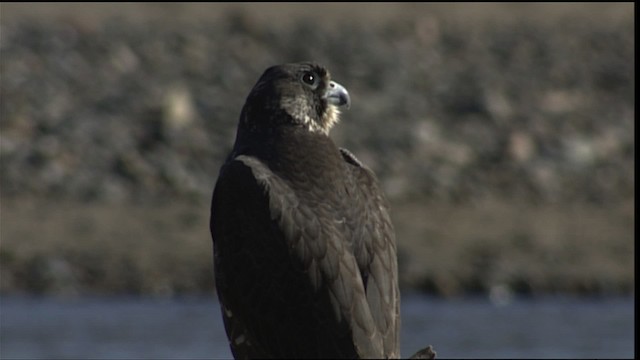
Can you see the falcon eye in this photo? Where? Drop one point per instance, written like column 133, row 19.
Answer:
column 310, row 79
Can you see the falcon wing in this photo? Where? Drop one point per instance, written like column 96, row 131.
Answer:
column 375, row 250
column 289, row 255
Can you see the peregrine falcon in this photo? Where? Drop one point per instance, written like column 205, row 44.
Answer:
column 304, row 249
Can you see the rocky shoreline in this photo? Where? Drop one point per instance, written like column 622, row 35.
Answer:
column 120, row 120
column 492, row 248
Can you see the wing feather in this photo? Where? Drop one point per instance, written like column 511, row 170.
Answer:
column 285, row 235
column 376, row 251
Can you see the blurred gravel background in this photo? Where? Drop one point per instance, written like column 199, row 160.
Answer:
column 117, row 112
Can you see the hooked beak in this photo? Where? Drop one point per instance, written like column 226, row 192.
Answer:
column 337, row 95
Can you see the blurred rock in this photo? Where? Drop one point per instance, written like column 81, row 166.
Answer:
column 532, row 112
column 120, row 111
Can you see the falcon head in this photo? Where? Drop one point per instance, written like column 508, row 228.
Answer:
column 299, row 94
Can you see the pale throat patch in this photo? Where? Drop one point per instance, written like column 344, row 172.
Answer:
column 299, row 109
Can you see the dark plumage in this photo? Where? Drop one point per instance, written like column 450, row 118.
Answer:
column 304, row 249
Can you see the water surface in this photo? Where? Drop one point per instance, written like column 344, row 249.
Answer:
column 192, row 328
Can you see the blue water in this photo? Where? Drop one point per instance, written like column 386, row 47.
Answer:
column 192, row 328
